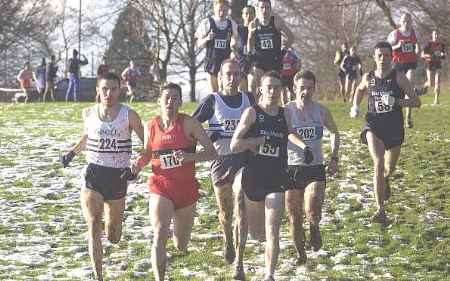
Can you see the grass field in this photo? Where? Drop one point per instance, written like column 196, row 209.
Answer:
column 43, row 235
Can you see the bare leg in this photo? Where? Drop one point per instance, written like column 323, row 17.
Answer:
column 240, row 227
column 437, row 86
column 213, row 83
column 408, row 110
column 390, row 161
column 113, row 219
column 224, row 199
column 377, row 150
column 92, row 207
column 256, row 220
column 161, row 212
column 274, row 204
column 183, row 222
column 314, row 196
column 294, row 205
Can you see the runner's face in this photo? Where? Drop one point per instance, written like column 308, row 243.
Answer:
column 270, row 90
column 383, row 58
column 247, row 15
column 405, row 22
column 109, row 92
column 264, row 10
column 220, row 10
column 170, row 100
column 304, row 89
column 230, row 76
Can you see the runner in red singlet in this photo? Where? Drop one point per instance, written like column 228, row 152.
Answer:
column 170, row 147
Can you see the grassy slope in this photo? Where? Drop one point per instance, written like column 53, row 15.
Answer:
column 416, row 247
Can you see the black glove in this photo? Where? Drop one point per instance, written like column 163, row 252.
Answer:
column 67, row 158
column 127, row 174
column 308, row 155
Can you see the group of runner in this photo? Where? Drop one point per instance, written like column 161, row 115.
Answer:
column 265, row 157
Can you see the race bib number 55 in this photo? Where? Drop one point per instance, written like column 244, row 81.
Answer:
column 168, row 161
column 268, row 149
column 380, row 107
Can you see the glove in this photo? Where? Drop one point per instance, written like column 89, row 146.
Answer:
column 354, row 111
column 388, row 100
column 67, row 158
column 308, row 155
column 127, row 174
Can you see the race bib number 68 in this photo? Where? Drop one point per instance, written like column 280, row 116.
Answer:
column 380, row 107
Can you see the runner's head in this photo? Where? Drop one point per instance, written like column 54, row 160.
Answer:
column 75, row 53
column 131, row 64
column 108, row 89
column 43, row 62
column 304, row 85
column 383, row 55
column 434, row 35
column 170, row 99
column 406, row 21
column 270, row 88
column 248, row 14
column 352, row 50
column 230, row 76
column 263, row 9
column 27, row 65
column 52, row 58
column 220, row 8
column 344, row 47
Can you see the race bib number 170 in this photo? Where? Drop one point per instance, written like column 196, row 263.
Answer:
column 168, row 161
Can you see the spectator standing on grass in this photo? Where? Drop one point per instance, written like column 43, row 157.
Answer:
column 50, row 74
column 74, row 75
column 25, row 78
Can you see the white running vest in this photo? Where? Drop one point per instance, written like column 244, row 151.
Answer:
column 310, row 128
column 225, row 121
column 108, row 143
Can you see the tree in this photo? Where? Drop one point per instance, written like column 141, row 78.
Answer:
column 130, row 41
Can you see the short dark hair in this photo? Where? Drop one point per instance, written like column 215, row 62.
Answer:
column 250, row 7
column 383, row 45
column 305, row 75
column 268, row 1
column 228, row 61
column 75, row 52
column 109, row 76
column 271, row 74
column 173, row 86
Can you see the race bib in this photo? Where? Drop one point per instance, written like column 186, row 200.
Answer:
column 268, row 149
column 408, row 48
column 168, row 161
column 307, row 133
column 229, row 125
column 220, row 44
column 380, row 107
column 266, row 44
column 107, row 144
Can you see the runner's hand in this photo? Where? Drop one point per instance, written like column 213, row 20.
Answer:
column 135, row 169
column 354, row 112
column 308, row 155
column 67, row 158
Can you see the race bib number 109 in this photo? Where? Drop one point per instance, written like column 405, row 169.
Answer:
column 220, row 44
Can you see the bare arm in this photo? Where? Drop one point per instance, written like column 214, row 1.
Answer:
column 335, row 141
column 136, row 124
column 411, row 99
column 293, row 136
column 360, row 91
column 81, row 144
column 197, row 132
column 251, row 36
column 281, row 25
column 238, row 142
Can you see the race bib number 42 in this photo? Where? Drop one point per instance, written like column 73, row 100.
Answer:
column 266, row 44
column 268, row 149
column 220, row 44
column 168, row 161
